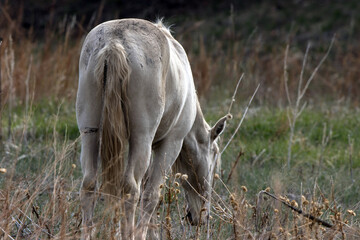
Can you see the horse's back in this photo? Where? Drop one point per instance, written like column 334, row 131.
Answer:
column 160, row 85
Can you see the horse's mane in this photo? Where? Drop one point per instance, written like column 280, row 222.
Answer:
column 165, row 29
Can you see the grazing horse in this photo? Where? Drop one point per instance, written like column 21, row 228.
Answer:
column 136, row 94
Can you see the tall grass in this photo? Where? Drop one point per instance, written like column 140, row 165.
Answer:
column 40, row 177
column 220, row 50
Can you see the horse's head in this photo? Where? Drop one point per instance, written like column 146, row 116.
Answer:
column 198, row 160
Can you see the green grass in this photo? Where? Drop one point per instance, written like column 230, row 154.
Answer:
column 266, row 131
column 52, row 146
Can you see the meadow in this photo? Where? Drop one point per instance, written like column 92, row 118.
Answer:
column 259, row 181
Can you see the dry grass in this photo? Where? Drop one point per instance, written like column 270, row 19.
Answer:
column 216, row 62
column 46, row 206
column 41, row 201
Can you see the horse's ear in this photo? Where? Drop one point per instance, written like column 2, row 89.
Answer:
column 219, row 127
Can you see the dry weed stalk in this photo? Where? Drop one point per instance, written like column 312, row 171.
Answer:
column 1, row 40
column 20, row 197
column 10, row 66
column 241, row 153
column 234, row 94
column 239, row 215
column 242, row 119
column 324, row 142
column 287, row 203
column 351, row 145
column 168, row 217
column 295, row 110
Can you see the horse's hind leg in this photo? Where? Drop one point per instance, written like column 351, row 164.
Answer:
column 164, row 156
column 88, row 112
column 139, row 158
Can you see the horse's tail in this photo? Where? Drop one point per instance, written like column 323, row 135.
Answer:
column 112, row 73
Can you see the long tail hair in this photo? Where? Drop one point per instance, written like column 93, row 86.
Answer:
column 112, row 73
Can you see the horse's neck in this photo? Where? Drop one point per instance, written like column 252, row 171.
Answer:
column 199, row 130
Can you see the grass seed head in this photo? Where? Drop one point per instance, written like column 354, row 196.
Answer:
column 177, row 175
column 73, row 166
column 216, row 176
column 294, row 203
column 326, row 203
column 176, row 184
column 3, row 170
column 282, row 198
column 351, row 212
column 184, row 177
column 244, row 188
column 267, row 189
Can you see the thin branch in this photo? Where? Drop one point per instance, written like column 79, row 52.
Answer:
column 294, row 109
column 233, row 96
column 9, row 64
column 317, row 67
column 241, row 153
column 242, row 119
column 301, row 109
column 227, row 189
column 286, row 75
column 6, row 233
column 0, row 93
column 46, row 231
column 351, row 144
column 307, row 215
column 222, row 201
column 303, row 68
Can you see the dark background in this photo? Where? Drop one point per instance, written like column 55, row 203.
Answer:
column 332, row 15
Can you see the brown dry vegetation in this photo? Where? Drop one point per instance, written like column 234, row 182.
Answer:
column 219, row 49
column 46, row 205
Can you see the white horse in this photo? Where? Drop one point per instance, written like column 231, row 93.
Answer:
column 136, row 89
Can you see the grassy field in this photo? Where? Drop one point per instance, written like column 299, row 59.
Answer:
column 40, row 173
column 40, row 188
